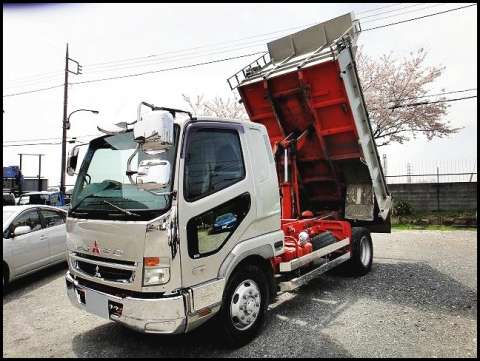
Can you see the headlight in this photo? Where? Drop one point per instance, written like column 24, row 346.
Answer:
column 156, row 276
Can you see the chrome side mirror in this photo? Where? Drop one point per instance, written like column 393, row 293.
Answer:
column 154, row 131
column 72, row 161
column 21, row 230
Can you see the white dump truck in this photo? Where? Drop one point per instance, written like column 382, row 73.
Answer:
column 177, row 219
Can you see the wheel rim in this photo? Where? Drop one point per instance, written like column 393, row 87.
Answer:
column 365, row 251
column 245, row 305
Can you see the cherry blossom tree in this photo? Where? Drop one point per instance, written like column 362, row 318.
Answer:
column 394, row 90
column 227, row 108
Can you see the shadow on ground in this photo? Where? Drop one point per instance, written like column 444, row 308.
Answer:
column 294, row 328
column 27, row 284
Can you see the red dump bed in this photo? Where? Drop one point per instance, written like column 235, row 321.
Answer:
column 312, row 99
column 309, row 98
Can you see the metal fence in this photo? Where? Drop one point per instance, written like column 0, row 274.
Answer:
column 445, row 171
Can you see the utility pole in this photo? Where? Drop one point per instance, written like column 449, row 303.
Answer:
column 64, row 125
column 65, row 120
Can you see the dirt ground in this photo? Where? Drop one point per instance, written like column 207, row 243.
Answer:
column 419, row 300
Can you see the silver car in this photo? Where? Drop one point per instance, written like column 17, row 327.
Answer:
column 34, row 237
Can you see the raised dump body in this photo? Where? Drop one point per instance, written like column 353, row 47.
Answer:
column 307, row 93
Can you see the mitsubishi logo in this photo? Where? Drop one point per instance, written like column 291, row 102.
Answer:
column 97, row 273
column 95, row 248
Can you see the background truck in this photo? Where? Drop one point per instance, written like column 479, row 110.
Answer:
column 183, row 219
column 15, row 182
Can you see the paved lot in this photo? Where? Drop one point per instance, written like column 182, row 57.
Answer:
column 420, row 300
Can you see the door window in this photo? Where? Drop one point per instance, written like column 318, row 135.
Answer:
column 213, row 161
column 29, row 218
column 52, row 218
column 208, row 232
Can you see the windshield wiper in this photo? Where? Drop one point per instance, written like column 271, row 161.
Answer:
column 92, row 195
column 121, row 209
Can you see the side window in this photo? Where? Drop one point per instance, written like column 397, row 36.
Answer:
column 29, row 218
column 24, row 200
column 213, row 161
column 208, row 232
column 52, row 218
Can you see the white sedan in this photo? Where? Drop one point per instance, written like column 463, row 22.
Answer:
column 34, row 237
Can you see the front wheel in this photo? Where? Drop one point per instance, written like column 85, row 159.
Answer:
column 244, row 305
column 362, row 252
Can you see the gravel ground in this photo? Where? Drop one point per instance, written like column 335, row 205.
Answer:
column 420, row 300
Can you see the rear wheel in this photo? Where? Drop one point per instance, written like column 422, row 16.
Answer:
column 362, row 252
column 244, row 305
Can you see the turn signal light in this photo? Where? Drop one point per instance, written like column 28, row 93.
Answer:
column 151, row 261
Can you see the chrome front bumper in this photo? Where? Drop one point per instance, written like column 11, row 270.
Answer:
column 160, row 315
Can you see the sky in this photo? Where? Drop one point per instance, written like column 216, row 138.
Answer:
column 162, row 36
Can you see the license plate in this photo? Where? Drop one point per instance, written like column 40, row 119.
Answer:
column 96, row 303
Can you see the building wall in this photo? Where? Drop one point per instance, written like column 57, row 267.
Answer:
column 423, row 196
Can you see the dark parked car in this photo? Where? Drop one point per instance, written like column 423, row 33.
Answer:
column 225, row 222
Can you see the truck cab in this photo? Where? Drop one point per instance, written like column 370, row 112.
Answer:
column 124, row 241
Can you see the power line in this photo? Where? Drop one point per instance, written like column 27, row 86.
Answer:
column 136, row 74
column 379, row 8
column 403, row 13
column 53, row 138
column 25, row 144
column 433, row 95
column 32, row 91
column 426, row 103
column 403, row 105
column 386, row 12
column 174, row 58
column 167, row 69
column 34, row 76
column 417, row 18
column 220, row 60
column 189, row 52
column 198, row 47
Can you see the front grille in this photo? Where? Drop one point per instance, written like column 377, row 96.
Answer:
column 95, row 267
column 107, row 273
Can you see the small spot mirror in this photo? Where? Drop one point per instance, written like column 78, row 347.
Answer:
column 72, row 161
column 153, row 173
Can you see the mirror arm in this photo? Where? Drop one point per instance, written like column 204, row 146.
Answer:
column 129, row 172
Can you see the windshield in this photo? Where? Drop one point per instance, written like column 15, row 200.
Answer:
column 6, row 216
column 102, row 177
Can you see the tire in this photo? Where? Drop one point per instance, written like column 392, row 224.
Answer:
column 362, row 252
column 247, row 296
column 5, row 278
